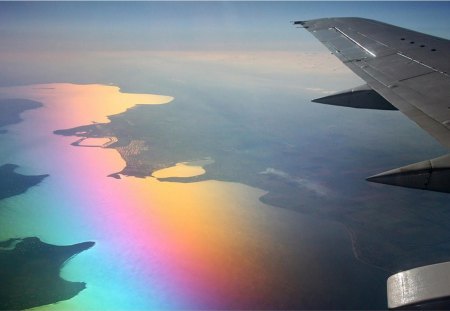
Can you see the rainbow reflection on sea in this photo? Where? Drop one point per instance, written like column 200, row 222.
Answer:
column 158, row 244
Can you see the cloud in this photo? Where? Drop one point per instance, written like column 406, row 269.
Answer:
column 302, row 183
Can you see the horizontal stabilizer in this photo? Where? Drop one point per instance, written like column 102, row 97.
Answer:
column 431, row 175
column 362, row 97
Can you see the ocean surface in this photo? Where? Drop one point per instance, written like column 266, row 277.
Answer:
column 165, row 245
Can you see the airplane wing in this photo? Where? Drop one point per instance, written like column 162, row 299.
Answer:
column 404, row 70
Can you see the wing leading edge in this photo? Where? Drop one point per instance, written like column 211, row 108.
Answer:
column 404, row 70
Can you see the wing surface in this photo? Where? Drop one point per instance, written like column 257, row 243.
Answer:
column 407, row 68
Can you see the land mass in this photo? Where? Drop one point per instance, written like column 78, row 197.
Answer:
column 11, row 109
column 12, row 183
column 287, row 164
column 30, row 272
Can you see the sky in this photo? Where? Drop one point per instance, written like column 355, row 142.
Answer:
column 97, row 42
column 192, row 25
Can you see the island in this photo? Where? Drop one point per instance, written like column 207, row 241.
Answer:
column 13, row 183
column 30, row 273
column 31, row 269
column 11, row 109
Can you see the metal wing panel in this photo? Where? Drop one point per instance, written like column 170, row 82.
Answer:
column 398, row 64
column 428, row 49
column 398, row 68
column 436, row 104
column 343, row 48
